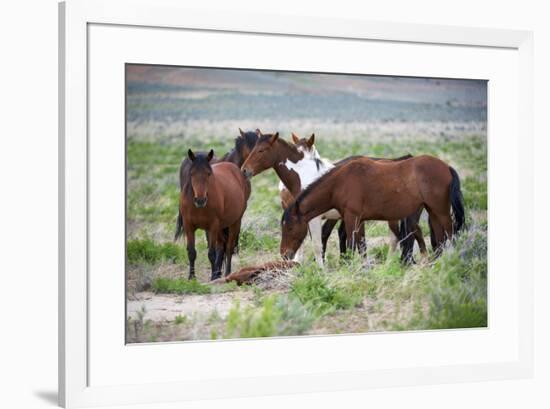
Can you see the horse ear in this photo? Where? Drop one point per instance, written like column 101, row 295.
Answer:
column 210, row 155
column 258, row 132
column 311, row 140
column 295, row 138
column 274, row 137
column 241, row 132
column 191, row 155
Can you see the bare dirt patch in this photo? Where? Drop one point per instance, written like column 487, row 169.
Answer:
column 166, row 307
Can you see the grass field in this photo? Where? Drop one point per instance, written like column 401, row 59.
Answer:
column 355, row 295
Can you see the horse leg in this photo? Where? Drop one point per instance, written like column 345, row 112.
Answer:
column 433, row 240
column 418, row 235
column 191, row 252
column 215, row 251
column 447, row 223
column 406, row 240
column 343, row 238
column 328, row 226
column 350, row 222
column 315, row 231
column 394, row 236
column 437, row 232
column 361, row 240
column 232, row 238
column 212, row 256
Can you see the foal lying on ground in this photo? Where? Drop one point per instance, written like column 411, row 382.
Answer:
column 364, row 189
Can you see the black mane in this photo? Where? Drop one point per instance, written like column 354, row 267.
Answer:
column 235, row 155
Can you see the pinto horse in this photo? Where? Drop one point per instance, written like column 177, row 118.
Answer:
column 296, row 167
column 213, row 197
column 365, row 189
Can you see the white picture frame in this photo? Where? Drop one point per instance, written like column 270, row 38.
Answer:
column 75, row 20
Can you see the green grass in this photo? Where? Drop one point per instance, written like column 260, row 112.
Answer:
column 475, row 193
column 179, row 286
column 150, row 252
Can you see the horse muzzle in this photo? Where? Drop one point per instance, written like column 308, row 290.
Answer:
column 200, row 202
column 288, row 254
column 248, row 173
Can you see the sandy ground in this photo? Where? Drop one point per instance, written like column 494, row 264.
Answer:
column 165, row 307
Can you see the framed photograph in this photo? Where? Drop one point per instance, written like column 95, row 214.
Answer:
column 259, row 204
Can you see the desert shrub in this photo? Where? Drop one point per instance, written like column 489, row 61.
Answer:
column 456, row 285
column 180, row 319
column 323, row 295
column 252, row 322
column 277, row 315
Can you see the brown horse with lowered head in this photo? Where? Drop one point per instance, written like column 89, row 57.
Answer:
column 213, row 197
column 364, row 189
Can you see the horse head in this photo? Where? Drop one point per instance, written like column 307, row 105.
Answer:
column 264, row 155
column 200, row 174
column 294, row 231
column 306, row 145
column 244, row 144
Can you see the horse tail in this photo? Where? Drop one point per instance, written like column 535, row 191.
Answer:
column 457, row 202
column 179, row 227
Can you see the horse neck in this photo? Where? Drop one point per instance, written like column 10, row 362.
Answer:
column 318, row 201
column 233, row 157
column 290, row 178
column 288, row 152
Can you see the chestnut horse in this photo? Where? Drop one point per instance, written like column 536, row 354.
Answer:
column 364, row 189
column 213, row 197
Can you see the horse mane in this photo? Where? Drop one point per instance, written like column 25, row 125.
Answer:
column 318, row 163
column 249, row 138
column 267, row 137
column 350, row 158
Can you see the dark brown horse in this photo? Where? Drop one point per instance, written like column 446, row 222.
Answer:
column 213, row 197
column 364, row 189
